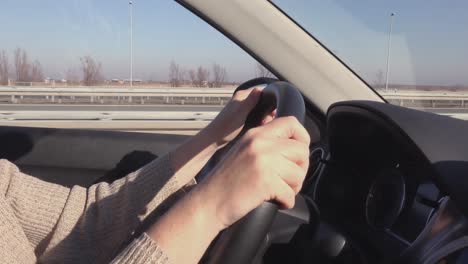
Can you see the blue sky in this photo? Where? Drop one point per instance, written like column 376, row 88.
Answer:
column 429, row 41
column 429, row 45
column 58, row 33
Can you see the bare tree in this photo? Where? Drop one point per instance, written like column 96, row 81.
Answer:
column 26, row 71
column 193, row 77
column 176, row 74
column 4, row 68
column 199, row 77
column 37, row 74
column 91, row 70
column 261, row 71
column 22, row 66
column 202, row 76
column 219, row 75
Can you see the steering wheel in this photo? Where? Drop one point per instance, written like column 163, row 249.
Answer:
column 240, row 242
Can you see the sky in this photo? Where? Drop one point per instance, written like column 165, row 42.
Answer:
column 58, row 33
column 429, row 40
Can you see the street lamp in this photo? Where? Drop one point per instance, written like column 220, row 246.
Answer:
column 130, row 3
column 392, row 15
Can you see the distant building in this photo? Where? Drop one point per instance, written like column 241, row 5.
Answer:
column 49, row 80
column 118, row 81
column 134, row 81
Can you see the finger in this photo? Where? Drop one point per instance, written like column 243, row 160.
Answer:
column 292, row 174
column 286, row 127
column 247, row 99
column 283, row 194
column 292, row 150
column 269, row 117
column 243, row 94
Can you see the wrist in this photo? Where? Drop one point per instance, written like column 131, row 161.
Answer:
column 206, row 209
column 190, row 224
column 191, row 211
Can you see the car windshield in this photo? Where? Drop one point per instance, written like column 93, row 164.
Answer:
column 413, row 53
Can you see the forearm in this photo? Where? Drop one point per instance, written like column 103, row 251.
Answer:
column 148, row 188
column 186, row 231
column 190, row 157
column 190, row 224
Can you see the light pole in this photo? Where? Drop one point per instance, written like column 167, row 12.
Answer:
column 130, row 3
column 392, row 15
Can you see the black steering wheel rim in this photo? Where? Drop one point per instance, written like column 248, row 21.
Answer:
column 240, row 242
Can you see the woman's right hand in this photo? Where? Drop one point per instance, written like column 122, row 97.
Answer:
column 268, row 163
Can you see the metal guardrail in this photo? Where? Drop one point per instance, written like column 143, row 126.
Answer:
column 169, row 117
column 103, row 95
column 97, row 93
column 427, row 99
column 192, row 95
column 110, row 89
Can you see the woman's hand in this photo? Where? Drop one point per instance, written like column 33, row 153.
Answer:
column 268, row 163
column 190, row 157
column 229, row 122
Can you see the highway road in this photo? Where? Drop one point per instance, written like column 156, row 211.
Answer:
column 447, row 110
column 460, row 113
column 188, row 108
column 175, row 119
column 157, row 109
column 104, row 108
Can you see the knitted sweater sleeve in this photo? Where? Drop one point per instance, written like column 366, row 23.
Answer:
column 92, row 224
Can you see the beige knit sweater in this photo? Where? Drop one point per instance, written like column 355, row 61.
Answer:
column 49, row 223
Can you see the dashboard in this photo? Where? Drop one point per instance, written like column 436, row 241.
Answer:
column 375, row 184
column 374, row 187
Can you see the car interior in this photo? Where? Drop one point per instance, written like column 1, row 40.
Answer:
column 385, row 183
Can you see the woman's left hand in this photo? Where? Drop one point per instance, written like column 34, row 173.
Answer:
column 230, row 121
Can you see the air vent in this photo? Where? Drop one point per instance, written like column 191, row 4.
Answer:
column 316, row 158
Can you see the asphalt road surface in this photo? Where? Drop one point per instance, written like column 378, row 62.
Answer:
column 173, row 119
column 447, row 110
column 184, row 108
column 103, row 108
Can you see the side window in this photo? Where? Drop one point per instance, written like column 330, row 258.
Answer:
column 85, row 64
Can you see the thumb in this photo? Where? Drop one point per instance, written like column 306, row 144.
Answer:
column 252, row 99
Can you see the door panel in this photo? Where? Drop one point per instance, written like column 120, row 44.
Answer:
column 71, row 157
